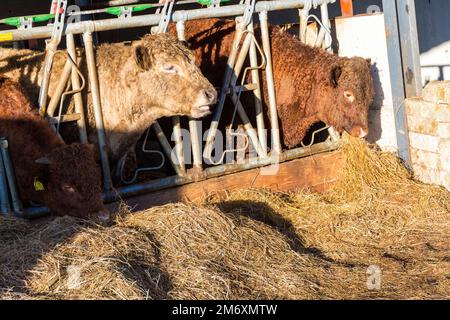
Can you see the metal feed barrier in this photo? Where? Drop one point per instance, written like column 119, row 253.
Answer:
column 168, row 11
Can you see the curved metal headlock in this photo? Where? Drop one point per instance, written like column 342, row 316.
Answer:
column 235, row 63
column 140, row 170
column 51, row 47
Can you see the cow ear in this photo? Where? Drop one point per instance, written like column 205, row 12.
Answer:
column 335, row 75
column 142, row 57
column 43, row 160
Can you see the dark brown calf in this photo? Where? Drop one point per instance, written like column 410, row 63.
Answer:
column 69, row 174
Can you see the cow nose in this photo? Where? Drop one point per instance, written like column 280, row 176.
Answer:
column 210, row 95
column 359, row 132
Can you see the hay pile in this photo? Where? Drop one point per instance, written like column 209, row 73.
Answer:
column 252, row 245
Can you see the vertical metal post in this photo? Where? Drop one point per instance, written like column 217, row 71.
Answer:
column 396, row 72
column 326, row 22
column 324, row 38
column 275, row 128
column 4, row 195
column 258, row 96
column 407, row 24
column 9, row 170
column 76, row 85
column 97, row 106
column 303, row 15
column 326, row 43
column 178, row 139
column 193, row 124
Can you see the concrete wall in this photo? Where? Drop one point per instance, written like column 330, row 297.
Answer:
column 429, row 126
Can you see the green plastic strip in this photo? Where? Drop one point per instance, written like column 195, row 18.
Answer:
column 117, row 11
column 15, row 21
column 209, row 2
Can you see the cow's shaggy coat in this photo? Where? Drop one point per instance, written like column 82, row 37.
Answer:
column 311, row 84
column 71, row 179
column 139, row 83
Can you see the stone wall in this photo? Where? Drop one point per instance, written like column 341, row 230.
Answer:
column 429, row 131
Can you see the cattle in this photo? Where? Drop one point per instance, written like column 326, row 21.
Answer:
column 139, row 82
column 65, row 178
column 311, row 84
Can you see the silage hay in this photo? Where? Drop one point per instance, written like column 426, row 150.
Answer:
column 252, row 245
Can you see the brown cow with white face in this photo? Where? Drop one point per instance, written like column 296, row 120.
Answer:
column 139, row 83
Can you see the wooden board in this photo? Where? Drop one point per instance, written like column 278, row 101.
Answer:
column 317, row 173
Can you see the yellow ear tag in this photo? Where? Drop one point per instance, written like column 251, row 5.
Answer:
column 38, row 186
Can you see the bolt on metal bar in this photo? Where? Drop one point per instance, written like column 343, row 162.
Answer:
column 76, row 85
column 97, row 106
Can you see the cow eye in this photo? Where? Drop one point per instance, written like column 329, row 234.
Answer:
column 349, row 96
column 170, row 68
column 67, row 188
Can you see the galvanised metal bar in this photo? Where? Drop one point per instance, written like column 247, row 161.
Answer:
column 5, row 207
column 9, row 170
column 196, row 142
column 76, row 85
column 326, row 22
column 262, row 134
column 303, row 15
column 243, row 54
column 153, row 19
column 324, row 39
column 275, row 127
column 97, row 106
column 397, row 84
column 178, row 137
column 406, row 11
column 207, row 153
column 51, row 48
column 180, row 171
column 60, row 88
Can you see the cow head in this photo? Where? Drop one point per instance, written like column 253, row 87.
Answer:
column 350, row 85
column 73, row 182
column 172, row 80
